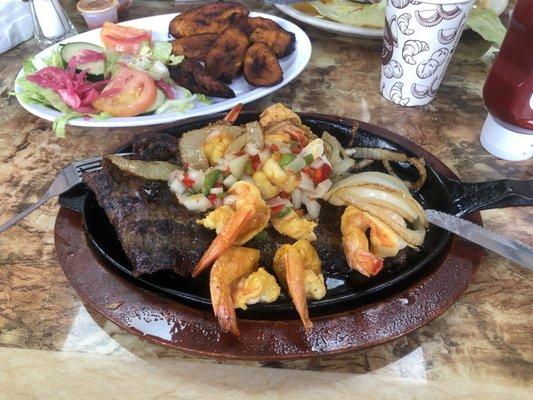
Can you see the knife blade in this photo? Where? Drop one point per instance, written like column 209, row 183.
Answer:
column 513, row 250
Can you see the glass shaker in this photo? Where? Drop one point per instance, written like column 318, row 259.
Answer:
column 51, row 22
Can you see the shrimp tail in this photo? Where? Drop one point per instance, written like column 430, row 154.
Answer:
column 232, row 115
column 295, row 284
column 357, row 254
column 235, row 225
column 225, row 312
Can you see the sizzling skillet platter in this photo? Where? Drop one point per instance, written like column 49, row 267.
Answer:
column 342, row 283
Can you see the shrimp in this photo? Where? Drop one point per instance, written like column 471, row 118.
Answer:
column 250, row 217
column 233, row 283
column 299, row 270
column 384, row 242
column 294, row 226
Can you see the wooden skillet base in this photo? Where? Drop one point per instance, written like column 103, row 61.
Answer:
column 169, row 323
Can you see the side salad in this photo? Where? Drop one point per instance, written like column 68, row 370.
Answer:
column 126, row 77
column 481, row 20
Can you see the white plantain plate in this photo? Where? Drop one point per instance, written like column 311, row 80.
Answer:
column 292, row 65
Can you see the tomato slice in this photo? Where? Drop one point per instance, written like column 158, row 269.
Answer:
column 124, row 39
column 128, row 93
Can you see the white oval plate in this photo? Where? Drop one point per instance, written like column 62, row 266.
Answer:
column 292, row 65
column 351, row 30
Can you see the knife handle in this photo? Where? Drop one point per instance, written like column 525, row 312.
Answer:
column 474, row 196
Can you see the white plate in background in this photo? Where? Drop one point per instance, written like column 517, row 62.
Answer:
column 359, row 31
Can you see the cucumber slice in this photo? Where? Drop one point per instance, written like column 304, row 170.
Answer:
column 95, row 68
column 160, row 98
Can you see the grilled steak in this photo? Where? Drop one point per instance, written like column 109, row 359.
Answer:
column 155, row 232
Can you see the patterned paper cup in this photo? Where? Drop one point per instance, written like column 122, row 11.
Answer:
column 419, row 41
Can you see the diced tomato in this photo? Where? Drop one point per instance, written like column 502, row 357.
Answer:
column 284, row 195
column 322, row 173
column 128, row 93
column 124, row 39
column 218, row 184
column 274, row 147
column 256, row 162
column 212, row 198
column 276, row 209
column 187, row 181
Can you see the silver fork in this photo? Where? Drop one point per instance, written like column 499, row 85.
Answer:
column 69, row 177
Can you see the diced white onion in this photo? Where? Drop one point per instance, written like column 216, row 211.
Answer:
column 196, row 202
column 315, row 147
column 238, row 165
column 251, row 149
column 176, row 186
column 306, row 183
column 230, row 180
column 313, row 208
column 276, row 201
column 297, row 198
column 216, row 190
column 198, row 177
column 296, row 165
column 322, row 188
column 229, row 200
column 317, row 163
column 264, row 155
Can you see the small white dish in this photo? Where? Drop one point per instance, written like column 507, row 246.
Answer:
column 292, row 66
column 358, row 31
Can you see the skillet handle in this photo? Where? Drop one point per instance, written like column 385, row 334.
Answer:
column 74, row 199
column 475, row 196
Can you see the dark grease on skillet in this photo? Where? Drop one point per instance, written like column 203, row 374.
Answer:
column 343, row 284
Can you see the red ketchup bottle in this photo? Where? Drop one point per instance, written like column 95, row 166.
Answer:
column 508, row 91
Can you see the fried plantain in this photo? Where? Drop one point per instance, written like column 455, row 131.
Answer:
column 193, row 76
column 194, row 47
column 267, row 31
column 210, row 18
column 261, row 66
column 225, row 59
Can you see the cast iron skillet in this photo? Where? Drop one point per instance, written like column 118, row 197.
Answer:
column 438, row 193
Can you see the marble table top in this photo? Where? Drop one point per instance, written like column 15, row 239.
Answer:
column 52, row 346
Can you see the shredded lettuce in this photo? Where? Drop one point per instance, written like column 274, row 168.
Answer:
column 111, row 63
column 202, row 98
column 60, row 123
column 55, row 59
column 161, row 50
column 352, row 13
column 487, row 24
column 177, row 106
column 175, row 60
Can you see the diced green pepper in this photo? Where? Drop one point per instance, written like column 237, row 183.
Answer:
column 284, row 211
column 308, row 158
column 262, row 236
column 286, row 159
column 248, row 168
column 210, row 179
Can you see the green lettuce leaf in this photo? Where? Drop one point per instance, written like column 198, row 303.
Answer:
column 486, row 23
column 177, row 106
column 55, row 59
